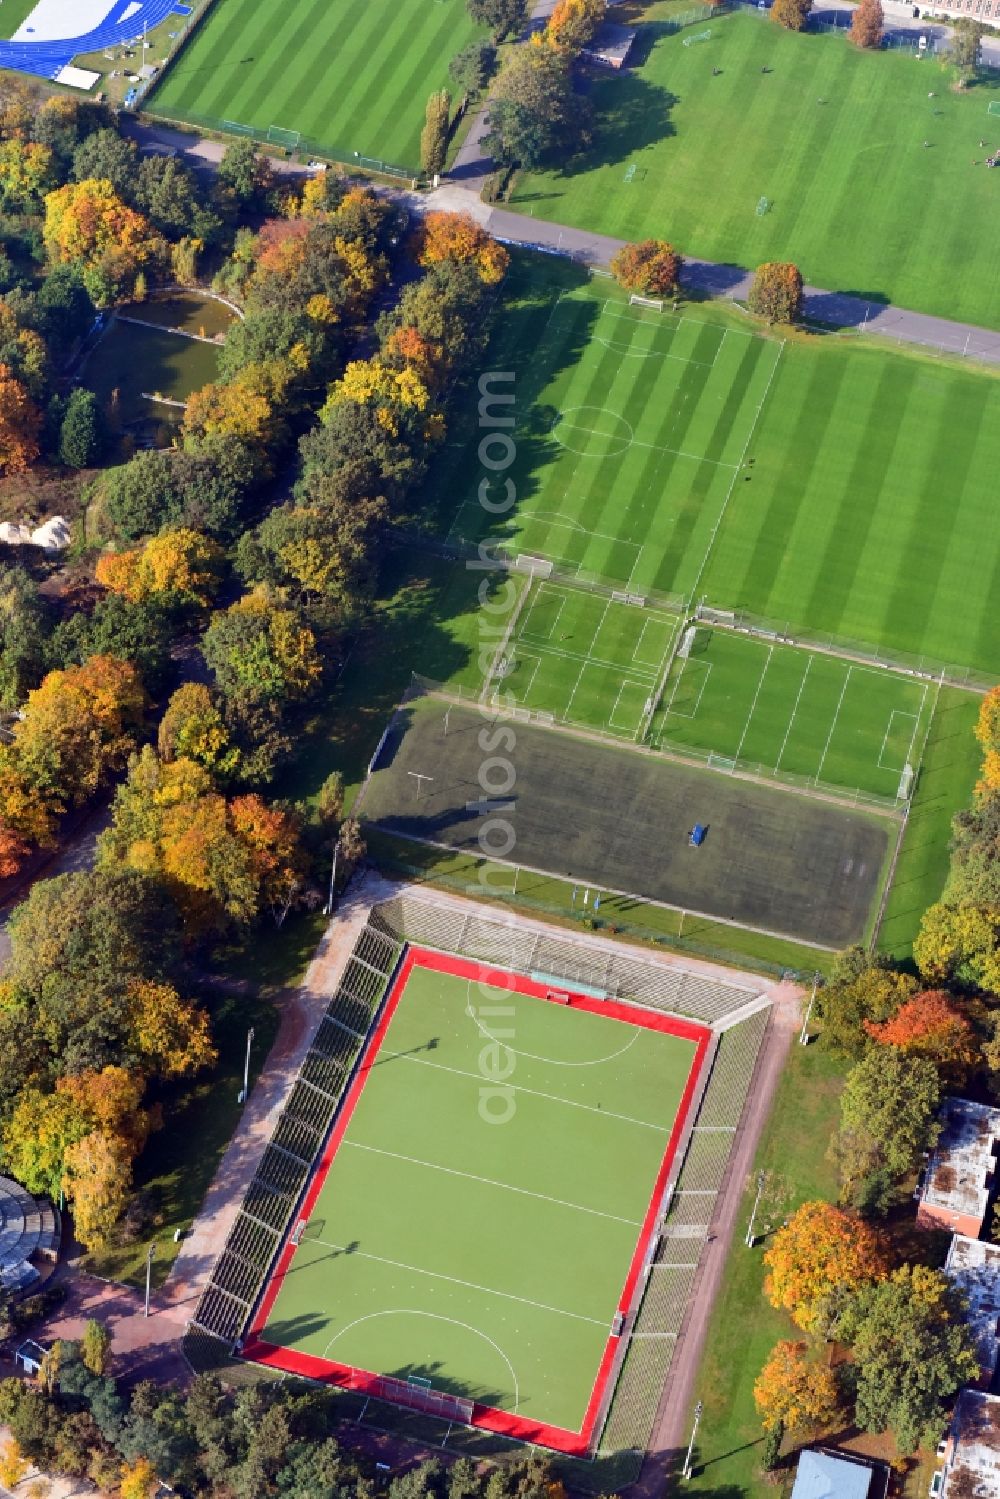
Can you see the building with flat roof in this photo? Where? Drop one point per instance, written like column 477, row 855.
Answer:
column 971, row 1449
column 961, row 1174
column 611, row 45
column 823, row 1474
column 973, row 1267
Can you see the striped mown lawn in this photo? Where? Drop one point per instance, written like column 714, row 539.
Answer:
column 855, row 484
column 349, row 78
column 632, row 425
column 866, row 161
column 872, row 509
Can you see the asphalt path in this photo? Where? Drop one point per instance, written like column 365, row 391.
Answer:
column 707, row 278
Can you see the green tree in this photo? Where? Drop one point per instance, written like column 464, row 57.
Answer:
column 244, row 174
column 107, row 155
column 861, row 988
column 501, row 16
column 966, row 46
column 974, row 877
column 262, row 652
column 95, row 1346
column 887, row 1117
column 434, row 136
column 82, row 436
column 24, row 625
column 536, row 110
column 913, row 1349
column 472, row 68
column 76, row 942
column 140, row 633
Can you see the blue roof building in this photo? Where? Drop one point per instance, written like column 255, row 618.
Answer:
column 834, row 1475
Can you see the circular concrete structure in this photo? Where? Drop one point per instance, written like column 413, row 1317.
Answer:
column 29, row 1236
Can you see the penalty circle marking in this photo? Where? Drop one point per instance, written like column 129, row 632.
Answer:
column 572, row 429
column 409, row 1311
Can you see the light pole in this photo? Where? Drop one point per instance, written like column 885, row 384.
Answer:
column 149, row 1273
column 694, row 1432
column 761, row 1179
column 327, row 909
column 804, row 1033
column 244, row 1092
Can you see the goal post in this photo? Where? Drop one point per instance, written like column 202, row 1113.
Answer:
column 654, row 302
column 419, row 1395
column 288, row 138
column 993, row 108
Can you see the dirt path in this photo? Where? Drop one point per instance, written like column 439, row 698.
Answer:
column 671, row 1431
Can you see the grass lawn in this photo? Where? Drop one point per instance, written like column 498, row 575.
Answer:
column 397, row 1272
column 950, row 770
column 743, row 1326
column 870, row 180
column 586, row 658
column 635, row 433
column 632, row 426
column 177, row 1166
column 870, row 515
column 351, row 79
column 131, row 359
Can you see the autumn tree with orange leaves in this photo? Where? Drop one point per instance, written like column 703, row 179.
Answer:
column 650, row 268
column 932, row 1025
column 793, row 1390
column 573, row 23
column 78, row 728
column 867, row 24
column 820, row 1253
column 988, row 734
column 181, row 565
column 87, row 224
column 458, row 238
column 20, row 425
column 223, row 862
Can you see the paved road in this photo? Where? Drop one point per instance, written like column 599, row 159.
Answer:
column 837, row 309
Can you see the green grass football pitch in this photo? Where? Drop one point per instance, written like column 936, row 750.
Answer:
column 871, row 163
column 597, row 662
column 349, row 78
column 586, row 658
column 476, row 1228
column 633, row 425
column 797, row 713
column 839, row 490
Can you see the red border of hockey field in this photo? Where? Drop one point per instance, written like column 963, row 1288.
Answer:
column 259, row 1350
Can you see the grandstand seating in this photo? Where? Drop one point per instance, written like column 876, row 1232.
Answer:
column 270, row 1200
column 47, row 59
column 420, row 916
column 671, row 1277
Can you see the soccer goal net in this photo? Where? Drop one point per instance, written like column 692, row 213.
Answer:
column 540, row 566
column 278, row 137
column 994, row 107
column 905, row 783
column 716, row 616
column 418, row 1395
column 699, row 36
column 654, row 302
